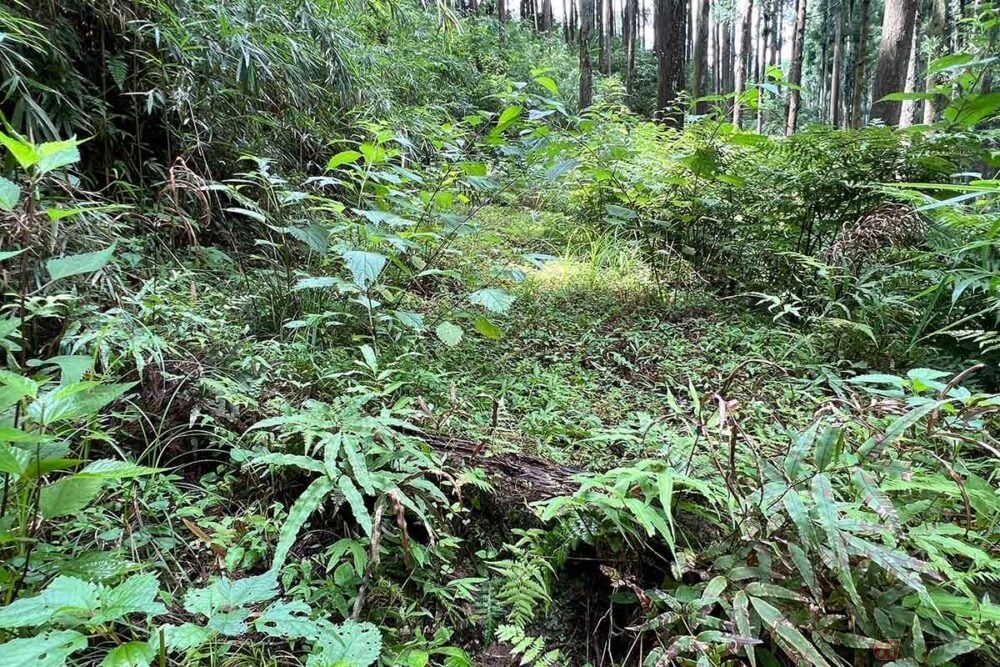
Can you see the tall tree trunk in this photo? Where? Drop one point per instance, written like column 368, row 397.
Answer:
column 938, row 34
column 586, row 74
column 669, row 25
column 699, row 87
column 744, row 9
column 777, row 19
column 602, row 44
column 838, row 55
column 629, row 29
column 567, row 35
column 605, row 21
column 893, row 55
column 760, row 67
column 860, row 59
column 908, row 108
column 727, row 57
column 795, row 71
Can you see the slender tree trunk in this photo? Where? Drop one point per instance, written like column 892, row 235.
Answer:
column 602, row 38
column 586, row 74
column 838, row 54
column 777, row 15
column 727, row 57
column 670, row 23
column 744, row 8
column 629, row 29
column 795, row 71
column 908, row 108
column 893, row 55
column 860, row 59
column 938, row 35
column 763, row 26
column 567, row 36
column 605, row 22
column 699, row 87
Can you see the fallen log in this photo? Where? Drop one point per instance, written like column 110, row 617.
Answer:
column 513, row 474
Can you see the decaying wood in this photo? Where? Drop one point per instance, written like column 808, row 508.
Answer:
column 513, row 474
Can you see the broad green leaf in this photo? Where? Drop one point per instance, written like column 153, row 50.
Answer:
column 183, row 638
column 74, row 265
column 365, row 267
column 67, row 495
column 130, row 654
column 950, row 61
column 135, row 595
column 342, row 158
column 22, row 150
column 449, row 334
column 507, row 117
column 793, row 642
column 799, row 450
column 49, row 649
column 828, row 447
column 548, row 84
column 494, row 299
column 54, row 155
column 488, row 329
column 10, row 193
column 287, row 620
column 307, row 503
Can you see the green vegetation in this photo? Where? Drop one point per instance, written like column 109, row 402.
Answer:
column 337, row 335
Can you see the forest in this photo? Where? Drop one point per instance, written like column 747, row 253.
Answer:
column 453, row 333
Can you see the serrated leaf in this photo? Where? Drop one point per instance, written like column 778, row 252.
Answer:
column 185, row 637
column 349, row 644
column 88, row 262
column 449, row 334
column 365, row 267
column 287, row 620
column 135, row 595
column 493, row 299
column 357, row 503
column 307, row 503
column 54, row 155
column 10, row 193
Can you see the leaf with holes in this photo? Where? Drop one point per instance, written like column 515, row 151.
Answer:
column 49, row 649
column 350, row 644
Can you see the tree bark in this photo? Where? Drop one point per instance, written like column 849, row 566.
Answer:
column 795, row 71
column 938, row 32
column 669, row 25
column 605, row 21
column 908, row 108
column 744, row 8
column 628, row 31
column 861, row 57
column 836, row 75
column 699, row 87
column 586, row 73
column 893, row 52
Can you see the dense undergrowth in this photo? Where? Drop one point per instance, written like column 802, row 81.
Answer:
column 299, row 249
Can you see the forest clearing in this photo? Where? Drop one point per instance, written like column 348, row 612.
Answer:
column 590, row 333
